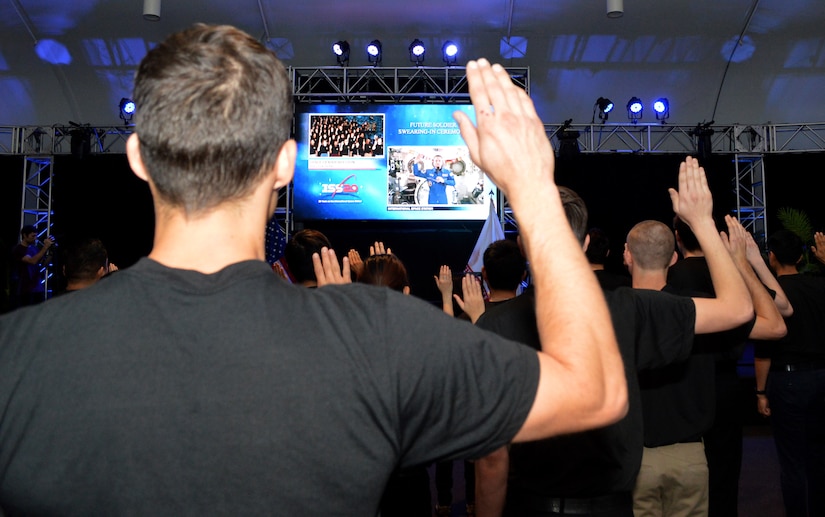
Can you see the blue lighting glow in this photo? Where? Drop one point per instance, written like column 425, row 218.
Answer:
column 450, row 49
column 660, row 106
column 635, row 106
column 374, row 48
column 53, row 52
column 417, row 48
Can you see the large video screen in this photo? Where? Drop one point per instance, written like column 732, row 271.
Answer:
column 386, row 162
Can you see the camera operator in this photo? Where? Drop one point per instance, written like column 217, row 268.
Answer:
column 27, row 287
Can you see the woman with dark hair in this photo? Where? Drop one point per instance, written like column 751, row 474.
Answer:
column 387, row 270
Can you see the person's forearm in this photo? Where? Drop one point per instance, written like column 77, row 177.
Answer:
column 447, row 303
column 766, row 277
column 491, row 483
column 36, row 258
column 761, row 367
column 769, row 323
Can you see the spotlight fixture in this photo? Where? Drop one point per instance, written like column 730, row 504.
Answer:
column 417, row 51
column 662, row 109
column 341, row 51
column 449, row 51
column 605, row 106
column 634, row 109
column 374, row 52
column 127, row 109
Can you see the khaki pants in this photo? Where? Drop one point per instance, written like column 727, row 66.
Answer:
column 672, row 482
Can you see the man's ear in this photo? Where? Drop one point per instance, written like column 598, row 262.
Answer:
column 285, row 164
column 586, row 242
column 673, row 259
column 101, row 272
column 135, row 160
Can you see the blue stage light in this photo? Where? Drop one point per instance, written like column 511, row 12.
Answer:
column 417, row 51
column 449, row 52
column 662, row 109
column 605, row 106
column 634, row 109
column 374, row 52
column 127, row 109
column 341, row 51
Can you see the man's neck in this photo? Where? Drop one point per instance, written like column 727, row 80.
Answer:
column 783, row 270
column 211, row 241
column 500, row 295
column 692, row 253
column 647, row 279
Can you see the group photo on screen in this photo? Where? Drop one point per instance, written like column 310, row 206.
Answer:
column 439, row 176
column 346, row 135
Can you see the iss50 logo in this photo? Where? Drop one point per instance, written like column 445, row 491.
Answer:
column 333, row 189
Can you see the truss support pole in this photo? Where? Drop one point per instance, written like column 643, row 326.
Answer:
column 750, row 195
column 36, row 205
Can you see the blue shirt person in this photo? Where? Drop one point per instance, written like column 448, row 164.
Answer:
column 437, row 179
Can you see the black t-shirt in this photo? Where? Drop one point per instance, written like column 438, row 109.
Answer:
column 171, row 392
column 806, row 326
column 652, row 329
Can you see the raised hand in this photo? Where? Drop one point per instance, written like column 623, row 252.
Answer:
column 473, row 302
column 378, row 249
column 444, row 281
column 819, row 246
column 508, row 141
column 693, row 202
column 327, row 271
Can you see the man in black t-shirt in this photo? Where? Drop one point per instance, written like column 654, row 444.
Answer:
column 594, row 473
column 790, row 381
column 197, row 382
column 723, row 440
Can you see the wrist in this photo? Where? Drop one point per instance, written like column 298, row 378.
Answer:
column 762, row 393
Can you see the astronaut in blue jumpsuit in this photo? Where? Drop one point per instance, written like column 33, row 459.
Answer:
column 437, row 178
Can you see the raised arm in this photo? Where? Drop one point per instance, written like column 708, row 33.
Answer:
column 473, row 302
column 769, row 323
column 444, row 282
column 582, row 383
column 693, row 203
column 766, row 277
column 37, row 257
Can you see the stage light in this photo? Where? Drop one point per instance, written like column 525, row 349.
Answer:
column 417, row 51
column 605, row 106
column 127, row 109
column 341, row 51
column 662, row 109
column 634, row 109
column 374, row 52
column 449, row 51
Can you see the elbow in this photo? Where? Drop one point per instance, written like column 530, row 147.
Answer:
column 616, row 408
column 744, row 311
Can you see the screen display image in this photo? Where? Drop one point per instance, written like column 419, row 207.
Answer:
column 386, row 162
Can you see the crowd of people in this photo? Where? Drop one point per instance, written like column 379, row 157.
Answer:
column 198, row 382
column 346, row 135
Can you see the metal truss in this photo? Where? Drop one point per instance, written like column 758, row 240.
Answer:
column 387, row 84
column 660, row 138
column 37, row 204
column 785, row 138
column 56, row 140
column 749, row 186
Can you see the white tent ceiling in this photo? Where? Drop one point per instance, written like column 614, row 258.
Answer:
column 677, row 49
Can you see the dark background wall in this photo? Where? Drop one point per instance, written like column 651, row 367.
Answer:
column 99, row 196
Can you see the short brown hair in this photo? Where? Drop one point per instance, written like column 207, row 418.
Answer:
column 213, row 111
column 652, row 244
